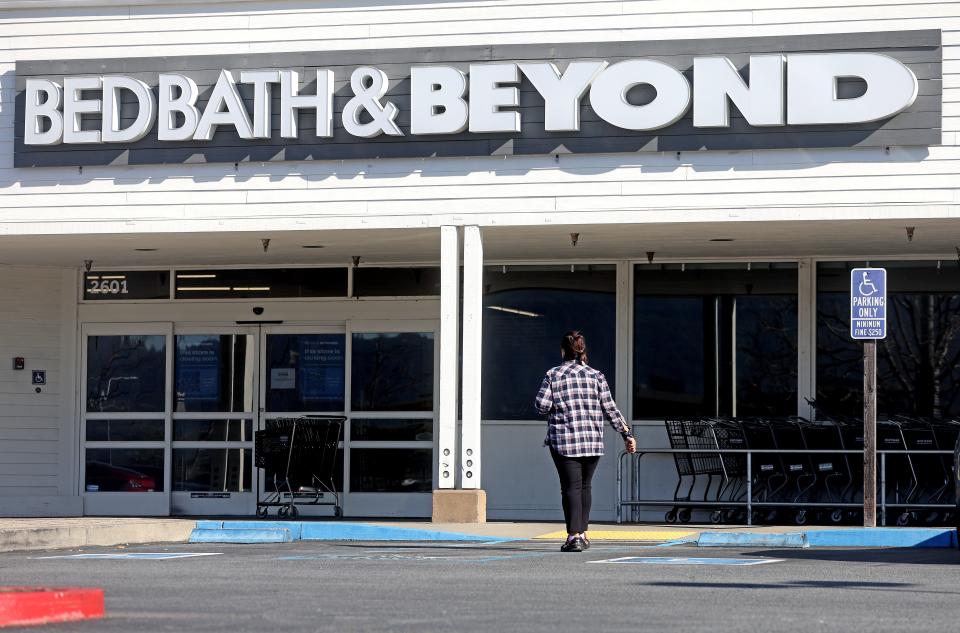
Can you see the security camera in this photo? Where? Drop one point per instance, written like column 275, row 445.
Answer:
column 87, row 264
column 258, row 310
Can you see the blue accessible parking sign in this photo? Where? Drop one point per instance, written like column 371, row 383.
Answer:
column 868, row 303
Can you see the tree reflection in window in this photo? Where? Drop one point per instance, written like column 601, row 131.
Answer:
column 715, row 339
column 917, row 364
column 126, row 373
column 392, row 371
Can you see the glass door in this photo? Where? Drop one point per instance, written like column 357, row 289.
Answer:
column 393, row 417
column 125, row 419
column 214, row 411
column 304, row 376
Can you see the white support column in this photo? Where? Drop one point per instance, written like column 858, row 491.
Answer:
column 449, row 356
column 472, row 343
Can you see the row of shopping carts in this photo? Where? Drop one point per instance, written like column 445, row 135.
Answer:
column 790, row 469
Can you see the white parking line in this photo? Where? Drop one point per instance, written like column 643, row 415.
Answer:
column 664, row 560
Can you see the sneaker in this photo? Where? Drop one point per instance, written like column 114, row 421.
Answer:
column 586, row 543
column 572, row 545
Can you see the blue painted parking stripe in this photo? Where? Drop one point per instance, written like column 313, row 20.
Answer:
column 241, row 535
column 294, row 527
column 751, row 539
column 664, row 560
column 329, row 531
column 883, row 537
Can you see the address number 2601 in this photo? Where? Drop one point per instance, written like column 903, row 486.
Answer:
column 108, row 287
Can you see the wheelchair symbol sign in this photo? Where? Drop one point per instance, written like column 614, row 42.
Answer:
column 39, row 377
column 868, row 303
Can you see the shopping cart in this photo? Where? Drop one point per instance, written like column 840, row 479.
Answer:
column 692, row 434
column 299, row 458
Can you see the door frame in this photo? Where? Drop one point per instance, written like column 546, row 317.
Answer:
column 306, row 328
column 237, row 503
column 125, row 503
column 391, row 504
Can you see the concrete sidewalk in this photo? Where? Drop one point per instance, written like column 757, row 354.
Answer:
column 64, row 533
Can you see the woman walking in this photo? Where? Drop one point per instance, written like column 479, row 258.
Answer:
column 577, row 399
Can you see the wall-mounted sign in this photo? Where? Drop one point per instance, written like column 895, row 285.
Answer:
column 126, row 285
column 39, row 377
column 809, row 91
column 198, row 359
column 283, row 378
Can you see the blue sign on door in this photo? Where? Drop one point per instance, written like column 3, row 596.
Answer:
column 868, row 303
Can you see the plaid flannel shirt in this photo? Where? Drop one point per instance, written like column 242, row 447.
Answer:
column 577, row 398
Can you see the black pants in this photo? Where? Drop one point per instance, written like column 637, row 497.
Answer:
column 576, row 475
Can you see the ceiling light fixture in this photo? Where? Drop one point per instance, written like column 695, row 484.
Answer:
column 145, row 250
column 721, row 239
column 204, row 288
column 515, row 311
column 313, row 246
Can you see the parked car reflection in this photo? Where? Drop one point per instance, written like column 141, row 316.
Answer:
column 110, row 478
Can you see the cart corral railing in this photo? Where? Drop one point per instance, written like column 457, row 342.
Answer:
column 629, row 479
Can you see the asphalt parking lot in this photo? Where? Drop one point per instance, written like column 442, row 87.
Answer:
column 521, row 586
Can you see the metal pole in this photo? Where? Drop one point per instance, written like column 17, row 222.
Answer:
column 883, row 489
column 619, row 489
column 870, row 433
column 749, row 488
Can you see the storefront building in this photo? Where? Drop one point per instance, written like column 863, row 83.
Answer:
column 217, row 215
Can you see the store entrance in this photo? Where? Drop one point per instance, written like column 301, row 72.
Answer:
column 171, row 411
column 232, row 382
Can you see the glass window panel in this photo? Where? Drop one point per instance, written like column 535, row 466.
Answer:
column 527, row 309
column 118, row 285
column 670, row 373
column 212, row 469
column 715, row 339
column 396, row 282
column 261, row 283
column 126, row 373
column 124, row 470
column 918, row 364
column 212, row 430
column 391, row 470
column 213, row 373
column 766, row 355
column 392, row 371
column 305, row 372
column 125, row 430
column 392, row 430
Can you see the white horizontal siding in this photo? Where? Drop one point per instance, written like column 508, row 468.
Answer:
column 30, row 423
column 421, row 192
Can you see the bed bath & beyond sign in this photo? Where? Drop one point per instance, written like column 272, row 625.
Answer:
column 836, row 90
column 796, row 89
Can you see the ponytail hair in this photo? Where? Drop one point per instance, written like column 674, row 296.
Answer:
column 574, row 347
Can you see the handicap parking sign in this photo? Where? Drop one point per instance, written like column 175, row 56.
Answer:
column 868, row 303
column 39, row 377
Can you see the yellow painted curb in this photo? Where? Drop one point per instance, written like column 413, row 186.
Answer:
column 625, row 535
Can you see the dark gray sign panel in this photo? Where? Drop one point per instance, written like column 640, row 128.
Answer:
column 919, row 124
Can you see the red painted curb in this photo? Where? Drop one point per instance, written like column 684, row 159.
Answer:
column 25, row 606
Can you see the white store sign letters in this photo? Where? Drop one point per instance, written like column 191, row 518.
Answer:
column 789, row 89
